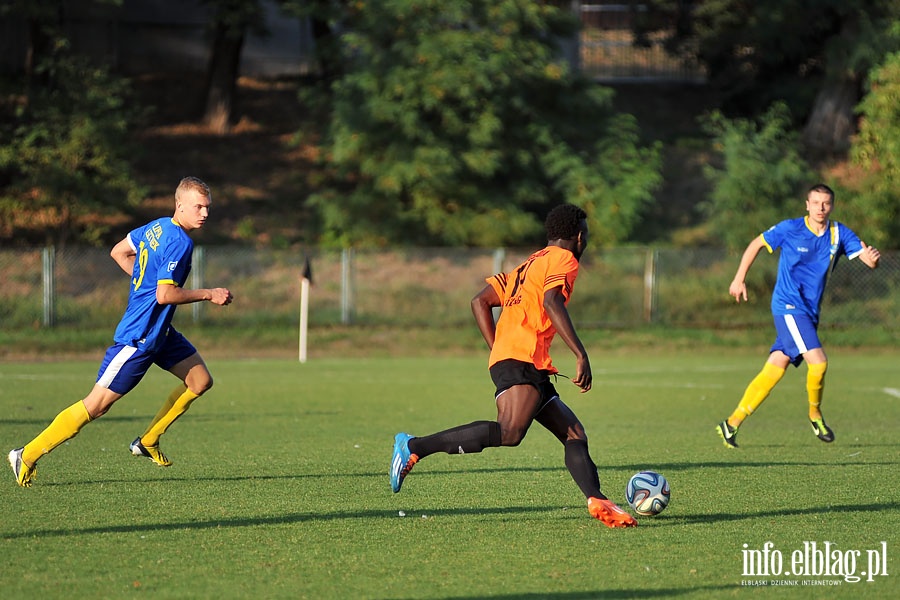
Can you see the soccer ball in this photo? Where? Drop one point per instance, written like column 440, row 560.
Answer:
column 647, row 493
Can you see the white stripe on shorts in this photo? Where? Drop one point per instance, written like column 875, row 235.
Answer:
column 112, row 369
column 795, row 333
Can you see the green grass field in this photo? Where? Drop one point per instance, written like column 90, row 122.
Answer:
column 280, row 489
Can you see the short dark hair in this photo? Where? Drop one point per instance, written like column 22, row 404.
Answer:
column 822, row 189
column 564, row 222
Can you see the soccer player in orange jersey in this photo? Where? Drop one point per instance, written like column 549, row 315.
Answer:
column 533, row 298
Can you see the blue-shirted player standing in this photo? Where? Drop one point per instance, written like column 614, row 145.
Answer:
column 810, row 247
column 157, row 256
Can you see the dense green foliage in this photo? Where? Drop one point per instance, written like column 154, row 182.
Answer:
column 766, row 51
column 761, row 178
column 64, row 152
column 459, row 122
column 877, row 152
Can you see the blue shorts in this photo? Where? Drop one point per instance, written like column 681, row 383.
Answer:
column 797, row 335
column 124, row 366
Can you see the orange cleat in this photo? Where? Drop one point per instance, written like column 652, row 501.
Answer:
column 609, row 514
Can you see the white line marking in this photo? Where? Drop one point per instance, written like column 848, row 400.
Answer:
column 656, row 384
column 892, row 392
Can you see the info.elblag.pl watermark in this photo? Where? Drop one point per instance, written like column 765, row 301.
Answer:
column 812, row 563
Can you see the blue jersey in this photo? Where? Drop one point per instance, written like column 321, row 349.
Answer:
column 163, row 251
column 806, row 259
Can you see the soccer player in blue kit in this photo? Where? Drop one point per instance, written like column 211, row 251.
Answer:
column 810, row 247
column 157, row 256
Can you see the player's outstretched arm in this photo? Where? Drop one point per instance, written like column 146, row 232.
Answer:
column 555, row 305
column 738, row 287
column 870, row 255
column 172, row 294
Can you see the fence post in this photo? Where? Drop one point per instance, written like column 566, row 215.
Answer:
column 48, row 273
column 499, row 259
column 198, row 279
column 346, row 285
column 650, row 285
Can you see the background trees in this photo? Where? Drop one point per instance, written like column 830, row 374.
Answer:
column 813, row 56
column 461, row 123
column 64, row 150
column 457, row 122
column 232, row 19
column 876, row 153
column 760, row 178
column 792, row 77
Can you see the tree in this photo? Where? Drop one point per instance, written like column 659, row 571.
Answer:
column 761, row 176
column 42, row 20
column 230, row 24
column 811, row 55
column 64, row 171
column 325, row 18
column 456, row 122
column 876, row 152
column 863, row 38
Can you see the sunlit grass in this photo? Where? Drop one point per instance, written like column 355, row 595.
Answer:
column 279, row 487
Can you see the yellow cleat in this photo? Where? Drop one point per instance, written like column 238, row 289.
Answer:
column 151, row 452
column 24, row 474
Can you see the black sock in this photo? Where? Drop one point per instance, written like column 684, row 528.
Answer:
column 464, row 439
column 582, row 468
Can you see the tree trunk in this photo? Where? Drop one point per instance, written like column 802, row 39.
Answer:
column 40, row 47
column 832, row 121
column 221, row 79
column 326, row 49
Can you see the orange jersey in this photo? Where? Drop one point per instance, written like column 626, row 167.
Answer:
column 524, row 331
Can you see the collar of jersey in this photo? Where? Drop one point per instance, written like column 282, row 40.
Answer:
column 827, row 227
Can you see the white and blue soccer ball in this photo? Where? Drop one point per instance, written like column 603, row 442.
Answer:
column 647, row 493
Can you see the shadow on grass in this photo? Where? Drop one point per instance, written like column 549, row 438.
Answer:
column 304, row 517
column 683, row 466
column 42, row 422
column 424, row 472
column 677, row 519
column 601, row 594
column 145, row 418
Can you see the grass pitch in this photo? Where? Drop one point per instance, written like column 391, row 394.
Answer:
column 280, row 489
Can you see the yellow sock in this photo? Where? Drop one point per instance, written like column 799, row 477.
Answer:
column 64, row 427
column 177, row 402
column 756, row 392
column 815, row 386
column 167, row 406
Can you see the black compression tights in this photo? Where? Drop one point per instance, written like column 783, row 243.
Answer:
column 582, row 468
column 464, row 439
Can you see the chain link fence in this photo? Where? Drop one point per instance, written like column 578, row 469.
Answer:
column 83, row 288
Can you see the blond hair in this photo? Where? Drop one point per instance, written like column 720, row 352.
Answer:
column 192, row 183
